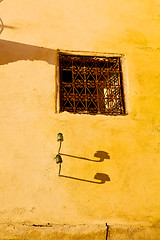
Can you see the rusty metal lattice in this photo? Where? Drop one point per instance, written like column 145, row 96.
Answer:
column 90, row 84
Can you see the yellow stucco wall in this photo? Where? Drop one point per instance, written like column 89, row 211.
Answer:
column 30, row 190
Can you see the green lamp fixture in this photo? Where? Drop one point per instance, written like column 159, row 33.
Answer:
column 60, row 137
column 58, row 158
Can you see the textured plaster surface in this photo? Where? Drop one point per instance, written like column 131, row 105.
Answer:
column 77, row 232
column 47, row 232
column 30, row 189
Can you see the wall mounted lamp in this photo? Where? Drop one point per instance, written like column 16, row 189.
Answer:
column 60, row 137
column 58, row 156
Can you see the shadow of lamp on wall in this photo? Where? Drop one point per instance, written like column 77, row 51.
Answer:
column 2, row 26
column 99, row 154
column 102, row 177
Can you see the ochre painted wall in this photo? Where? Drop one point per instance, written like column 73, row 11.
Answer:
column 30, row 189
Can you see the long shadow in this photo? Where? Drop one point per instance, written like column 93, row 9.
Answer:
column 99, row 154
column 12, row 52
column 99, row 176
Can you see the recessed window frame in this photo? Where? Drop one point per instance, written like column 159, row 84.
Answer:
column 93, row 54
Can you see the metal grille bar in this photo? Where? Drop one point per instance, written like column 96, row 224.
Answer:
column 90, row 84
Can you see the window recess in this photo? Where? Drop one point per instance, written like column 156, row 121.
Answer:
column 91, row 84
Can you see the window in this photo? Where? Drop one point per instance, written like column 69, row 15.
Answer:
column 91, row 84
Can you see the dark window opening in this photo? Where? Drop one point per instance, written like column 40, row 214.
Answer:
column 67, row 76
column 90, row 84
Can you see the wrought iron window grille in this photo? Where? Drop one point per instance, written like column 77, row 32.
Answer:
column 91, row 84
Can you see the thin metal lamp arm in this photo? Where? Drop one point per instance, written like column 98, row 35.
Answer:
column 60, row 144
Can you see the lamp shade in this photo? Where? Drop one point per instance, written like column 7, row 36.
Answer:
column 58, row 158
column 60, row 137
